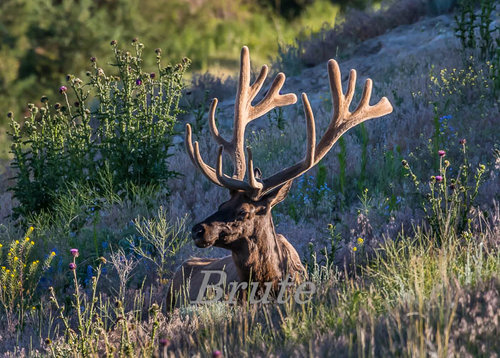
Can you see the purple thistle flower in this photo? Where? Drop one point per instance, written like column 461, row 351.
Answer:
column 439, row 178
column 72, row 266
column 217, row 354
column 463, row 141
column 138, row 82
column 62, row 89
column 152, row 75
column 164, row 342
column 441, row 153
column 93, row 59
column 74, row 252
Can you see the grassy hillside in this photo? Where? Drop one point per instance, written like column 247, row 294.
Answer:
column 398, row 226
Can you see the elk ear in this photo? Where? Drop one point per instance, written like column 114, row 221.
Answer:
column 258, row 173
column 277, row 195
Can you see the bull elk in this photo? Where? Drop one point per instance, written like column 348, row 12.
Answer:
column 244, row 223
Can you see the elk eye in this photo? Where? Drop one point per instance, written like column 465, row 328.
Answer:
column 242, row 213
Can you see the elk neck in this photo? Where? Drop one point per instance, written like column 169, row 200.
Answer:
column 259, row 256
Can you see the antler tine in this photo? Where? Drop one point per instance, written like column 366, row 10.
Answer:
column 252, row 181
column 194, row 155
column 342, row 120
column 213, row 127
column 231, row 183
column 244, row 112
column 309, row 160
column 364, row 111
column 272, row 99
column 257, row 85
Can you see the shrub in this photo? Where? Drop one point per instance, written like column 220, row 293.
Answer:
column 475, row 31
column 159, row 241
column 448, row 202
column 121, row 123
column 19, row 277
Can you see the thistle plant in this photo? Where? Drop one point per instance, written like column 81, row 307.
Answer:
column 19, row 277
column 122, row 122
column 448, row 200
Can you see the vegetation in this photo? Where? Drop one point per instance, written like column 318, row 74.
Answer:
column 399, row 228
column 135, row 113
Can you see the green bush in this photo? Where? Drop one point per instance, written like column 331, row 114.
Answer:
column 19, row 277
column 119, row 123
column 448, row 201
column 475, row 31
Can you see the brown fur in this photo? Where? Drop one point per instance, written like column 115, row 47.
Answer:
column 258, row 254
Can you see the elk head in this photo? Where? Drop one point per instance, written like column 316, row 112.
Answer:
column 244, row 224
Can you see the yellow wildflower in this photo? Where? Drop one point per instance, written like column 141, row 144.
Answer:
column 32, row 243
column 27, row 238
column 52, row 253
column 16, row 258
column 33, row 308
column 1, row 245
column 360, row 240
column 17, row 241
column 354, row 249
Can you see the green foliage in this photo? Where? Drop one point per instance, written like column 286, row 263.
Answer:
column 120, row 124
column 57, row 37
column 476, row 32
column 159, row 241
column 449, row 199
column 19, row 278
column 92, row 315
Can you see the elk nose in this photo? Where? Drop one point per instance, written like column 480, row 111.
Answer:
column 198, row 231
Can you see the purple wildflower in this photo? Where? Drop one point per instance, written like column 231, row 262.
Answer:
column 74, row 252
column 138, row 82
column 441, row 153
column 72, row 266
column 217, row 354
column 439, row 178
column 62, row 89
